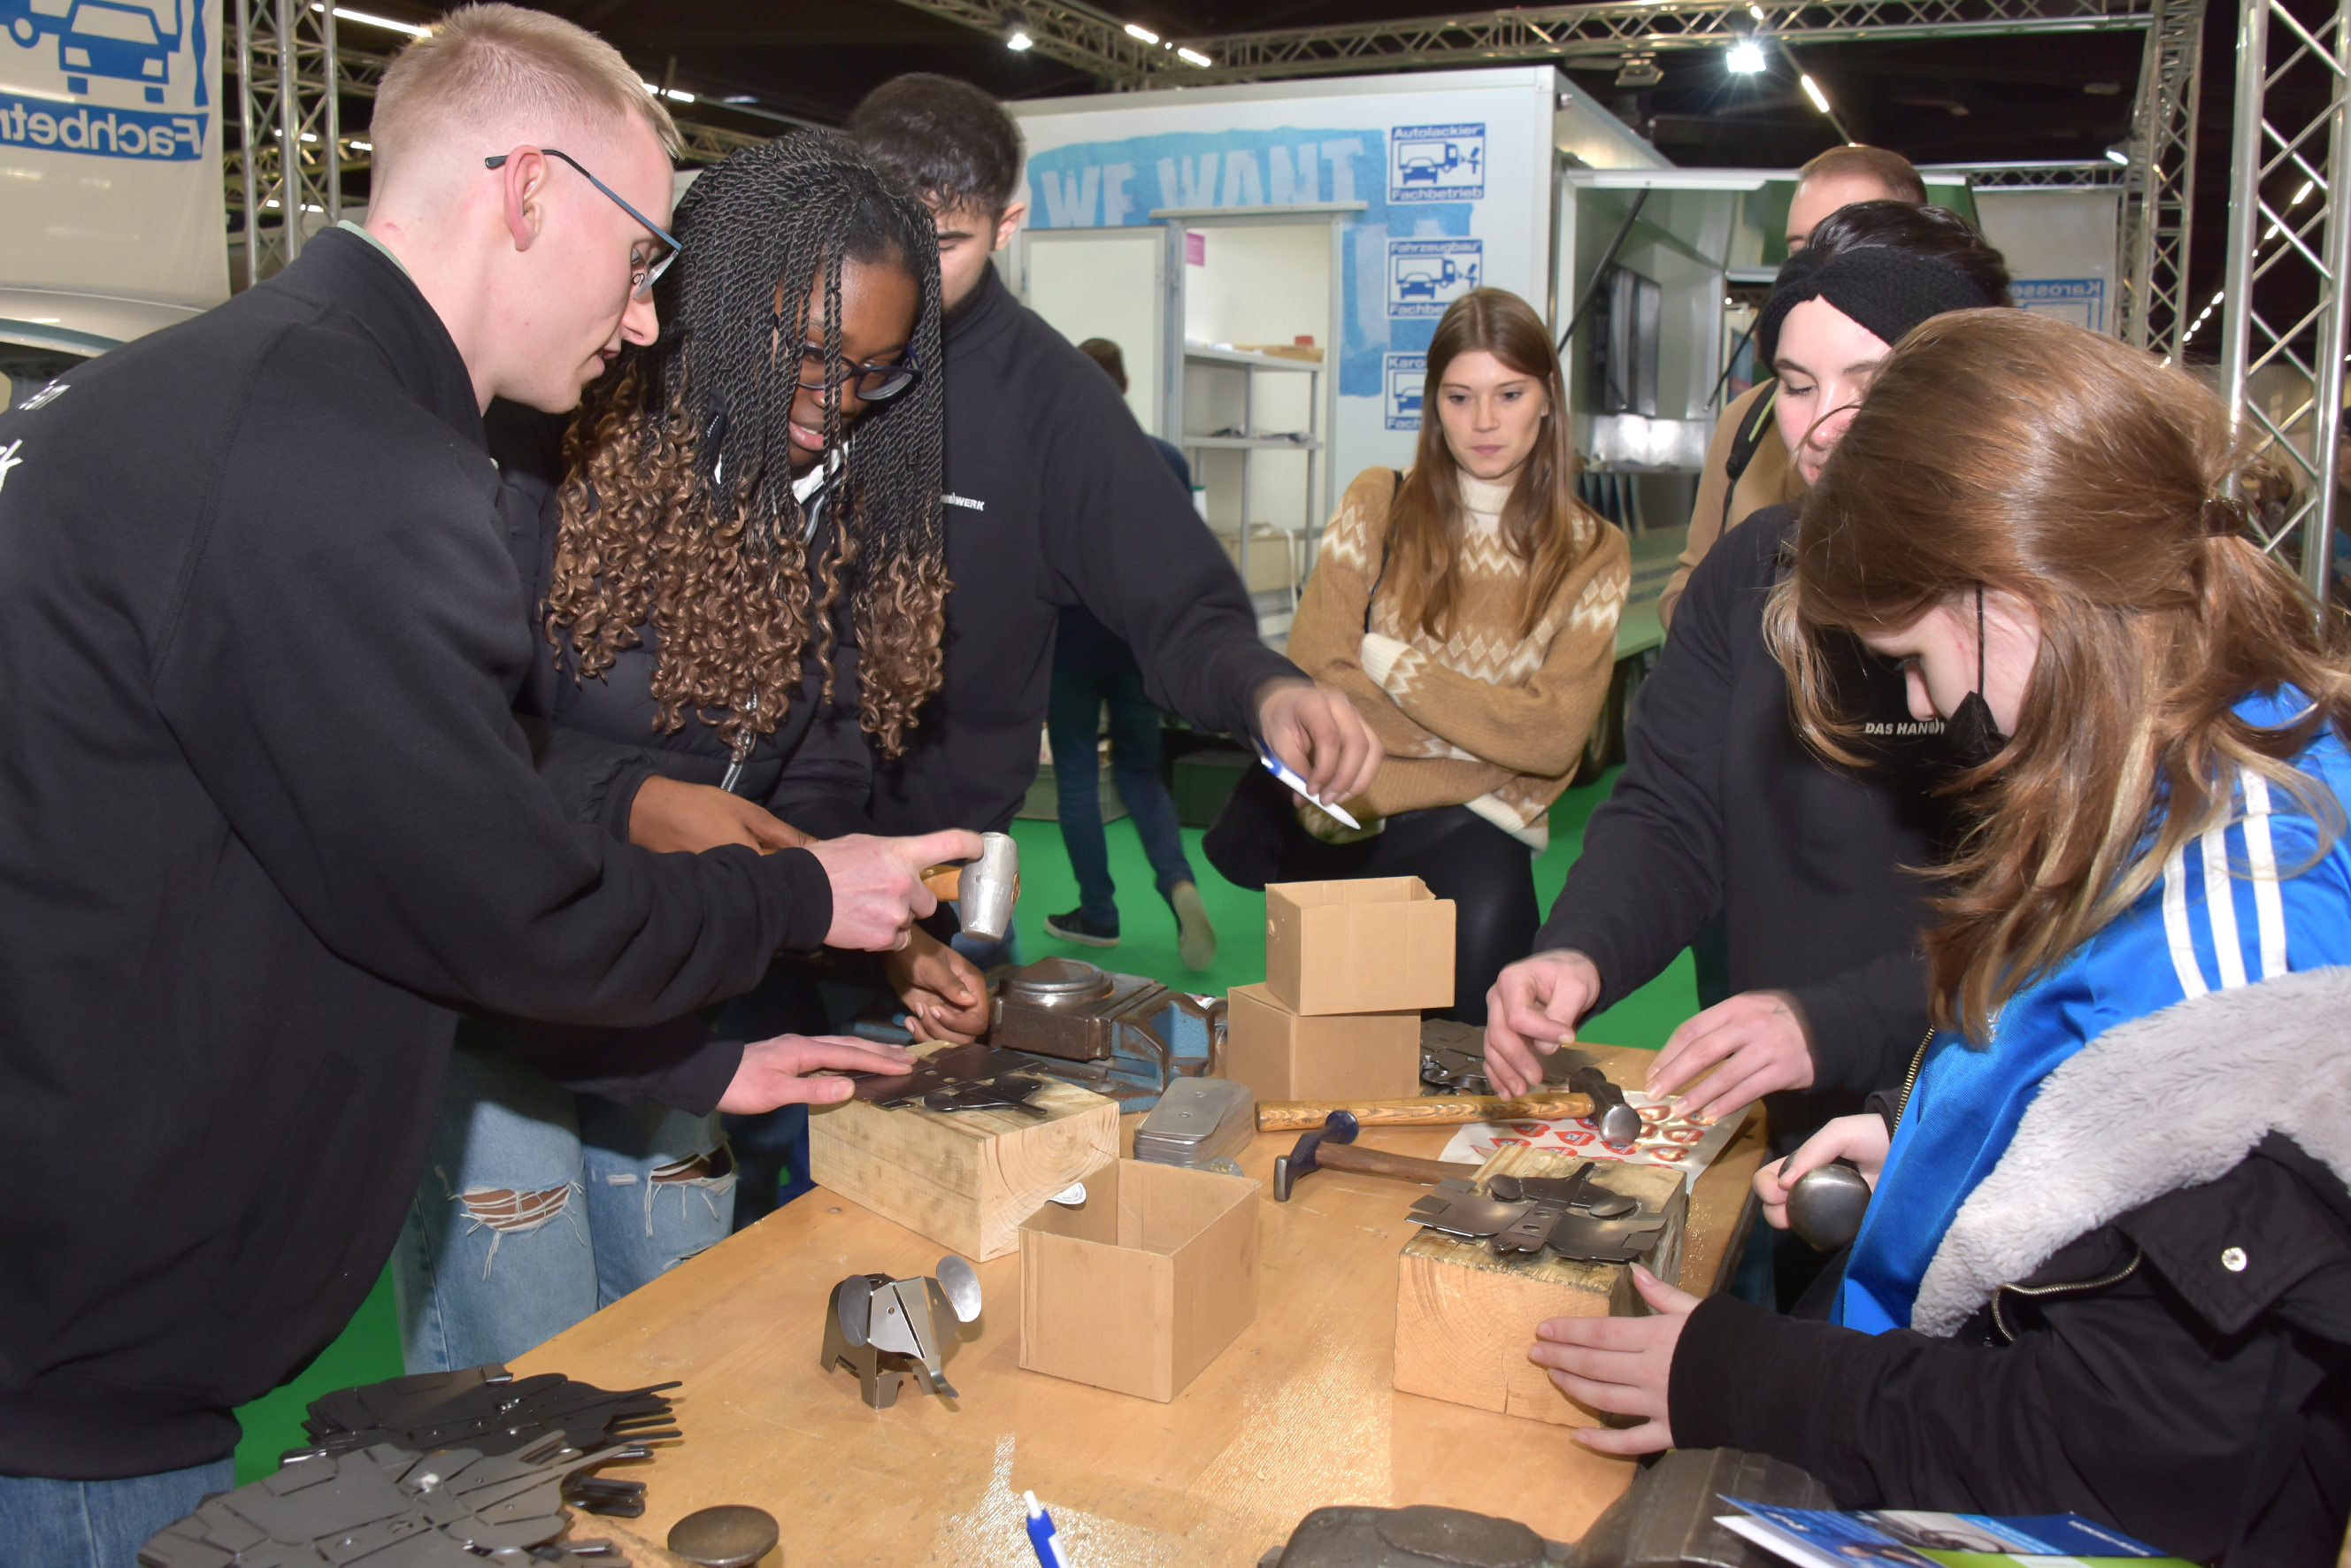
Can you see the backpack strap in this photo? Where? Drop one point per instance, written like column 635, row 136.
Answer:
column 1744, row 444
column 1387, row 537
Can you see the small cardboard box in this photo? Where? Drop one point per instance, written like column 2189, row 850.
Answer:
column 1465, row 1318
column 1334, row 1056
column 1379, row 945
column 964, row 1178
column 1140, row 1286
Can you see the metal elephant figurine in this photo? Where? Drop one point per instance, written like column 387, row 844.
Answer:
column 887, row 1330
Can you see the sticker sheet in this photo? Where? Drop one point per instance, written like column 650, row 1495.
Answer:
column 1667, row 1137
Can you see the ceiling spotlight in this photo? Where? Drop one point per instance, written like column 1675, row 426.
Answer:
column 1145, row 33
column 2118, row 154
column 1745, row 58
column 2303, row 195
column 1194, row 58
column 1638, row 70
column 1756, row 12
column 1812, row 91
column 1016, row 32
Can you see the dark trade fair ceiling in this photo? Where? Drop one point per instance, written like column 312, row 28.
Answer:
column 1947, row 100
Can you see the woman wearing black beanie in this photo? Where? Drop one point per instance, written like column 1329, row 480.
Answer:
column 1721, row 809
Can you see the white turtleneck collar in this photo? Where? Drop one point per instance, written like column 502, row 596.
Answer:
column 1485, row 501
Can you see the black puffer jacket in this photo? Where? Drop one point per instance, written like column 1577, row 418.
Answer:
column 2134, row 1341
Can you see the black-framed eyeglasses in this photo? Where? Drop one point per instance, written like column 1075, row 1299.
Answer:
column 642, row 276
column 871, row 383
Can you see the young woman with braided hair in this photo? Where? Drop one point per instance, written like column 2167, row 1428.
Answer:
column 2106, row 1267
column 733, row 594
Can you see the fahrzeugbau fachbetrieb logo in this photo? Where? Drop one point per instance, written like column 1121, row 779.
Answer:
column 105, row 78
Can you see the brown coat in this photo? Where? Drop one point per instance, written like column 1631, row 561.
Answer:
column 1484, row 718
column 1769, row 481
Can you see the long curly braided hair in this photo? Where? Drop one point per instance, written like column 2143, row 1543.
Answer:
column 678, row 514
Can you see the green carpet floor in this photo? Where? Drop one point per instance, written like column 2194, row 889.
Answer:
column 370, row 1348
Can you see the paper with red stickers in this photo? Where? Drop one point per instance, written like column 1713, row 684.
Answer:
column 1667, row 1137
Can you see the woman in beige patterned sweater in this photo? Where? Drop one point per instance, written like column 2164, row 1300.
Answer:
column 1468, row 608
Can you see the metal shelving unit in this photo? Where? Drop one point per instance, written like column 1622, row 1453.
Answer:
column 1220, row 392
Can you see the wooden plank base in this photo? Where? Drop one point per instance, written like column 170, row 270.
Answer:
column 964, row 1178
column 1465, row 1317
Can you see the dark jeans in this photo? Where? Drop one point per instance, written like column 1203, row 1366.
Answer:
column 1090, row 668
column 1489, row 874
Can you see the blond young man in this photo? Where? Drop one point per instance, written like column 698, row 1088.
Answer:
column 1837, row 178
column 270, row 820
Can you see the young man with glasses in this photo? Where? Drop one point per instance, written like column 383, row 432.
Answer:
column 270, row 820
column 1056, row 498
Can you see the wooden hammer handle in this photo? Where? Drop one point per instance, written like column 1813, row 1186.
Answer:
column 1430, row 1111
column 1380, row 1163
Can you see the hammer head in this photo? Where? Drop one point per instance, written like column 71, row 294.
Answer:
column 1338, row 1127
column 1619, row 1124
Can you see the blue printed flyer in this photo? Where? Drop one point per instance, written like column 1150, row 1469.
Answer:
column 1821, row 1538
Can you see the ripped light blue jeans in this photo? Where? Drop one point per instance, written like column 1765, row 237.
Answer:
column 539, row 1205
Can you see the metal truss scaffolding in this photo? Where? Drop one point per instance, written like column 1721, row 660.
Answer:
column 290, row 165
column 2289, row 249
column 2162, row 179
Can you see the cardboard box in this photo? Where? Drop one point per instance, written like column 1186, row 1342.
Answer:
column 967, row 1179
column 1378, row 945
column 1140, row 1286
column 1464, row 1319
column 1333, row 1055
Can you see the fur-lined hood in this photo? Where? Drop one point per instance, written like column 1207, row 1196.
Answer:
column 2169, row 1101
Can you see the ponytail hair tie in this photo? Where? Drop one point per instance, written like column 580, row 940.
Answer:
column 2223, row 516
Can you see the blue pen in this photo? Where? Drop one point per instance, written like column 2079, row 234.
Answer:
column 1283, row 771
column 1041, row 1535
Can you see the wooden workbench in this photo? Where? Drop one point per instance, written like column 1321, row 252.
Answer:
column 1297, row 1413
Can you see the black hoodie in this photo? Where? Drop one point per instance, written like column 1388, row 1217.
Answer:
column 1055, row 497
column 266, row 820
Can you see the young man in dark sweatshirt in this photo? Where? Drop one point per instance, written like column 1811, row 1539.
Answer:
column 269, row 821
column 1056, row 498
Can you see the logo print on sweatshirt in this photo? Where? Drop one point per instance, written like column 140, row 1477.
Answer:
column 9, row 459
column 45, row 396
column 952, row 499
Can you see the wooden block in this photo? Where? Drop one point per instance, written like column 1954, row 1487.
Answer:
column 1465, row 1318
column 967, row 1179
column 1376, row 944
column 1138, row 1289
column 1337, row 1056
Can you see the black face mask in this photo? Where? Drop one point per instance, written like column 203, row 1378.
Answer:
column 1972, row 734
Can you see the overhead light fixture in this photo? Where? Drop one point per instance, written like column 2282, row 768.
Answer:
column 1820, row 100
column 1016, row 32
column 1756, row 12
column 669, row 92
column 2118, row 154
column 2303, row 195
column 1145, row 35
column 1194, row 58
column 1745, row 58
column 414, row 29
column 1639, row 70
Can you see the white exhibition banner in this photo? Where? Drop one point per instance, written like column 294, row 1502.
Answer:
column 2060, row 248
column 111, row 149
column 1452, row 170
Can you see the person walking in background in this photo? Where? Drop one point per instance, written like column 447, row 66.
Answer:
column 1092, row 670
column 1468, row 608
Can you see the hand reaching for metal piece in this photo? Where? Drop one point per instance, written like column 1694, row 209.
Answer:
column 1534, row 1006
column 1862, row 1139
column 1755, row 1043
column 777, row 1072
